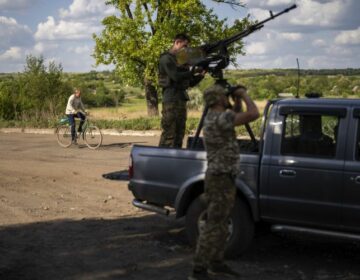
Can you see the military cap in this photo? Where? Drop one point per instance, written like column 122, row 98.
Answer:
column 213, row 94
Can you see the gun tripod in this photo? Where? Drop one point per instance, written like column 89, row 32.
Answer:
column 223, row 82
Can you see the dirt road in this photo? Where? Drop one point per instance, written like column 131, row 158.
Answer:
column 60, row 219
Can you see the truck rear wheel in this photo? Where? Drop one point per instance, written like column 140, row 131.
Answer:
column 241, row 226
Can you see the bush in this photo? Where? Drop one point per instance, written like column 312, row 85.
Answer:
column 39, row 92
column 112, row 99
column 196, row 99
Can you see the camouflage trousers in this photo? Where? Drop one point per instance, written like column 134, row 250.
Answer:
column 173, row 124
column 220, row 193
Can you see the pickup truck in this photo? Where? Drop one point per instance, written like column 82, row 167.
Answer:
column 301, row 175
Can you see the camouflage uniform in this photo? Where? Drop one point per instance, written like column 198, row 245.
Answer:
column 220, row 191
column 173, row 124
column 175, row 80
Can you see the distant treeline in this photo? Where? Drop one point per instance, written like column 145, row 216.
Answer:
column 291, row 72
column 267, row 84
column 42, row 91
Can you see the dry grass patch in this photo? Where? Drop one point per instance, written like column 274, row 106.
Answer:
column 136, row 108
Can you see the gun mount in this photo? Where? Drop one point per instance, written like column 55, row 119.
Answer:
column 214, row 57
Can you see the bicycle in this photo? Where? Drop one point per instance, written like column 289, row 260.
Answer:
column 90, row 134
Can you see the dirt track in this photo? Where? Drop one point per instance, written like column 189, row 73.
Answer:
column 60, row 219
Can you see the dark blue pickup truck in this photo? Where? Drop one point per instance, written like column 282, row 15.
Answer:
column 301, row 175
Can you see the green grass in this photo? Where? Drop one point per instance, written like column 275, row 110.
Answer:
column 45, row 123
column 134, row 105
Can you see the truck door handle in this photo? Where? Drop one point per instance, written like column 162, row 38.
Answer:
column 356, row 179
column 288, row 173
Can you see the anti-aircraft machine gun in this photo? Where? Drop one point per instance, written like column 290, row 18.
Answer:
column 214, row 58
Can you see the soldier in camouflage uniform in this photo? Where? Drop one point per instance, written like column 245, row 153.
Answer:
column 223, row 164
column 175, row 80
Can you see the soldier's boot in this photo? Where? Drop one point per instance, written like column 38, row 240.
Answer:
column 223, row 269
column 199, row 274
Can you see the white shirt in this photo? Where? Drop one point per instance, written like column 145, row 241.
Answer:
column 74, row 105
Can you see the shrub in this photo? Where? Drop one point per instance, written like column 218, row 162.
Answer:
column 196, row 99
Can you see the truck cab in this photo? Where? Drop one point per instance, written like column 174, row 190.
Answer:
column 301, row 175
column 310, row 164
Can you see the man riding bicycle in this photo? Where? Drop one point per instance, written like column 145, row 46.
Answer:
column 75, row 109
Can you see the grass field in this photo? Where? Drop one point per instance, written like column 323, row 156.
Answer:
column 136, row 108
column 131, row 115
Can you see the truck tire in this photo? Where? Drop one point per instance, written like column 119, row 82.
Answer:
column 241, row 226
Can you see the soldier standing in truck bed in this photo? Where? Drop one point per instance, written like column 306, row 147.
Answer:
column 175, row 80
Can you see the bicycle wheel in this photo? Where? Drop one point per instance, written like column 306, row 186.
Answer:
column 93, row 137
column 63, row 135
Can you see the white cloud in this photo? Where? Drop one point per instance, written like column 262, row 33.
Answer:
column 314, row 13
column 321, row 33
column 269, row 3
column 11, row 23
column 292, row 36
column 64, row 30
column 41, row 47
column 7, row 5
column 78, row 22
column 86, row 8
column 259, row 14
column 257, row 48
column 319, row 43
column 334, row 50
column 7, row 21
column 278, row 2
column 266, row 62
column 12, row 54
column 85, row 49
column 321, row 62
column 310, row 15
column 71, row 32
column 14, row 34
column 348, row 37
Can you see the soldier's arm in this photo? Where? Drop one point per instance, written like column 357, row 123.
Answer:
column 251, row 113
column 169, row 66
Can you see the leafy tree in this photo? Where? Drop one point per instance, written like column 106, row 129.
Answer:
column 38, row 92
column 134, row 39
column 10, row 107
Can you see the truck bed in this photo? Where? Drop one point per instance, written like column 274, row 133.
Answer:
column 160, row 173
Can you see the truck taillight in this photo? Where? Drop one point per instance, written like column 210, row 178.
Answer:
column 131, row 168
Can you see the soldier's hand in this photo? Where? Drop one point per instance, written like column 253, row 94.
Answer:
column 239, row 94
column 199, row 70
column 236, row 96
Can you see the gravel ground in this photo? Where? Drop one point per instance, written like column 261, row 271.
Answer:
column 61, row 219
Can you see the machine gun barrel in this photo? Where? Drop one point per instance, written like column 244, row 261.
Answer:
column 210, row 48
column 217, row 52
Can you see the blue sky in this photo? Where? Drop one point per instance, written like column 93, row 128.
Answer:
column 321, row 33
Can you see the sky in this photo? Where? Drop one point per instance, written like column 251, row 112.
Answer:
column 320, row 33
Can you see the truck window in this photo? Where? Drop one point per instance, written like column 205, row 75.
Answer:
column 310, row 135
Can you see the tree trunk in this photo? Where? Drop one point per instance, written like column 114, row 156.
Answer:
column 151, row 99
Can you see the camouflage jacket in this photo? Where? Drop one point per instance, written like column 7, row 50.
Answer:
column 220, row 143
column 175, row 79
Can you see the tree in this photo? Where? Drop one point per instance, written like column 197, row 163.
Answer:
column 10, row 107
column 42, row 91
column 134, row 40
